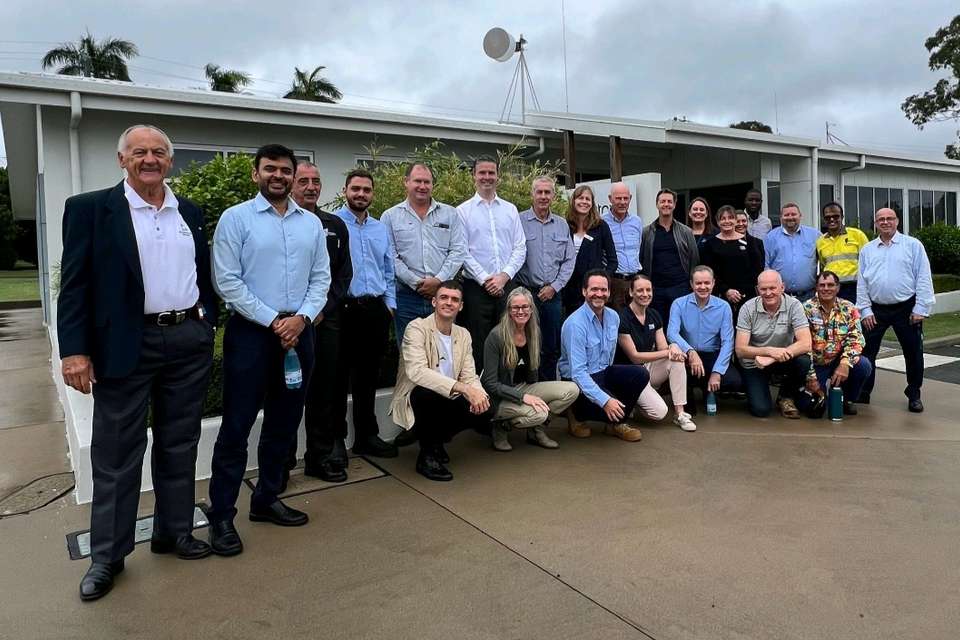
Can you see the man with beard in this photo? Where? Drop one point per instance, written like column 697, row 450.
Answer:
column 758, row 225
column 325, row 456
column 668, row 251
column 272, row 269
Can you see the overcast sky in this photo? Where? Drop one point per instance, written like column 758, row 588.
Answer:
column 794, row 65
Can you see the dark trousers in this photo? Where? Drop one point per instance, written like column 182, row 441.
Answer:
column 363, row 340
column 410, row 306
column 625, row 382
column 910, row 337
column 663, row 297
column 439, row 418
column 325, row 418
column 729, row 381
column 253, row 379
column 854, row 382
column 481, row 313
column 172, row 375
column 551, row 321
column 756, row 381
column 848, row 291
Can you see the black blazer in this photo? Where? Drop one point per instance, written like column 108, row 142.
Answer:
column 100, row 305
column 595, row 252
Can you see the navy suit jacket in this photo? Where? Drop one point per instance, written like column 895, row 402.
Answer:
column 100, row 305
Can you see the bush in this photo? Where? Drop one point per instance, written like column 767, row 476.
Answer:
column 942, row 243
column 216, row 186
column 8, row 238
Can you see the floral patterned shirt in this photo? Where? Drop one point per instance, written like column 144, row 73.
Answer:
column 833, row 335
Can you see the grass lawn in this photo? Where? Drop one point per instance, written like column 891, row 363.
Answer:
column 19, row 285
column 936, row 326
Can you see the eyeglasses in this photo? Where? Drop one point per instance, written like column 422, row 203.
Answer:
column 833, row 217
column 520, row 308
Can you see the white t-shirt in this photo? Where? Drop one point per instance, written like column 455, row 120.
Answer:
column 578, row 239
column 446, row 354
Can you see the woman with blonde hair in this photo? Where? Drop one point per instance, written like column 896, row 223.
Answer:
column 594, row 243
column 511, row 359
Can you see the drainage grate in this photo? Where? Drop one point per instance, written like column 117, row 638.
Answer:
column 78, row 544
column 36, row 494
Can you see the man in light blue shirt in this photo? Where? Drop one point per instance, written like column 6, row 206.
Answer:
column 428, row 246
column 366, row 314
column 272, row 269
column 626, row 229
column 894, row 289
column 701, row 324
column 588, row 342
column 791, row 250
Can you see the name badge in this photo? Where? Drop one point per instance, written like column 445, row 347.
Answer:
column 441, row 225
column 587, row 236
column 650, row 327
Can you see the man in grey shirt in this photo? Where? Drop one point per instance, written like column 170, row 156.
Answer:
column 773, row 338
column 550, row 260
column 428, row 246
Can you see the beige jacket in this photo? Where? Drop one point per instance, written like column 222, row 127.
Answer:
column 419, row 359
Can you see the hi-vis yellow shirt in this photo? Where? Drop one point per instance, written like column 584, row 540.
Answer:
column 842, row 253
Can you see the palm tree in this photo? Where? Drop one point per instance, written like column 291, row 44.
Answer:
column 226, row 80
column 313, row 87
column 91, row 59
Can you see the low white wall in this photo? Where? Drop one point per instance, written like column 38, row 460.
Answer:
column 947, row 302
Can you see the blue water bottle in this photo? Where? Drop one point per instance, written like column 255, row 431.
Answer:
column 711, row 403
column 835, row 406
column 292, row 373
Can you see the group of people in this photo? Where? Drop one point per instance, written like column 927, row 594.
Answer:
column 503, row 319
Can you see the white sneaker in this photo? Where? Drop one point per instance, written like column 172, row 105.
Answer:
column 684, row 421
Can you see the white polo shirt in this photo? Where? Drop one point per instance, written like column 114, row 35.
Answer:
column 167, row 254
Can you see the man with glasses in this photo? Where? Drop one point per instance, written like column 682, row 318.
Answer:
column 895, row 289
column 838, row 250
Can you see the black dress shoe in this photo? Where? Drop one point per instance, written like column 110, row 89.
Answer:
column 432, row 469
column 864, row 398
column 441, row 455
column 406, row 438
column 849, row 409
column 338, row 455
column 187, row 547
column 374, row 446
column 279, row 513
column 326, row 470
column 915, row 406
column 224, row 539
column 98, row 580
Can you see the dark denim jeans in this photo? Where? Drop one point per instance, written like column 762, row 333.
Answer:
column 757, row 381
column 854, row 382
column 410, row 306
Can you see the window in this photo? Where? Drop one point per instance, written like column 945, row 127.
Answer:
column 926, row 208
column 850, row 208
column 939, row 207
column 895, row 201
column 914, row 201
column 773, row 202
column 826, row 195
column 866, row 208
column 952, row 208
column 184, row 155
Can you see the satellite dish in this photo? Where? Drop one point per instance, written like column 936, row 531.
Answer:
column 499, row 45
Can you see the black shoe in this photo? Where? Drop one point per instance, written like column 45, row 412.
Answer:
column 406, row 438
column 864, row 398
column 279, row 513
column 224, row 539
column 432, row 469
column 187, row 547
column 338, row 455
column 326, row 470
column 441, row 455
column 849, row 409
column 374, row 446
column 915, row 406
column 98, row 580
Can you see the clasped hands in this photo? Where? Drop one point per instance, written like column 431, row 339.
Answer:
column 288, row 330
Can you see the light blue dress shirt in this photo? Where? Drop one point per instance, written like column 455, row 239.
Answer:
column 626, row 238
column 587, row 346
column 265, row 263
column 794, row 256
column 433, row 247
column 707, row 330
column 892, row 273
column 372, row 258
column 551, row 254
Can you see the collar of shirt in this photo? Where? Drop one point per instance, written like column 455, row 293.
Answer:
column 409, row 207
column 347, row 215
column 896, row 238
column 476, row 199
column 781, row 309
column 136, row 202
column 712, row 301
column 262, row 204
column 529, row 215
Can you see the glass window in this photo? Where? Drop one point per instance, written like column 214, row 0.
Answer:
column 952, row 208
column 896, row 201
column 914, row 210
column 926, row 208
column 850, row 207
column 773, row 202
column 183, row 158
column 939, row 206
column 826, row 195
column 866, row 208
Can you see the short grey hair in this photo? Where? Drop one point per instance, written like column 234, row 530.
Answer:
column 122, row 142
column 539, row 179
column 702, row 268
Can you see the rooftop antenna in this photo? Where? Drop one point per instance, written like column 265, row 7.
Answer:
column 832, row 138
column 501, row 46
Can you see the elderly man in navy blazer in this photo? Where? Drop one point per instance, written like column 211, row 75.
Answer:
column 135, row 319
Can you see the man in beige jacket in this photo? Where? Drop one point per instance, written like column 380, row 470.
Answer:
column 438, row 389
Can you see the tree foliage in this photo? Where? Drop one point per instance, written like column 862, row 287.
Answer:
column 942, row 242
column 942, row 102
column 90, row 58
column 752, row 125
column 217, row 185
column 312, row 87
column 226, row 80
column 8, row 227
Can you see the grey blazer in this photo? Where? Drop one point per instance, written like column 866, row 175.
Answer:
column 686, row 245
column 496, row 379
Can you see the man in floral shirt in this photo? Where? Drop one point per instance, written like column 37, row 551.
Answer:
column 835, row 357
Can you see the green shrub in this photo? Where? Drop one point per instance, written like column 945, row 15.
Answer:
column 8, row 237
column 942, row 243
column 217, row 185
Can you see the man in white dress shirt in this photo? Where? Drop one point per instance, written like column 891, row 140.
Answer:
column 496, row 250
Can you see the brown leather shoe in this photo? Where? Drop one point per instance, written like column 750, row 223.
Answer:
column 624, row 432
column 788, row 409
column 576, row 428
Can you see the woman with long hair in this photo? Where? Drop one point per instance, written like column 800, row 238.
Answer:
column 736, row 259
column 700, row 221
column 594, row 243
column 511, row 360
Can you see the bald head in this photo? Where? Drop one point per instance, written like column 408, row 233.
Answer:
column 886, row 222
column 769, row 276
column 620, row 197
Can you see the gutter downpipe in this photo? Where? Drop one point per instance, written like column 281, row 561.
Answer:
column 76, row 113
column 538, row 152
column 860, row 166
column 814, row 183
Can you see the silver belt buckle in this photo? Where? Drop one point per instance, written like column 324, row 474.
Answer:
column 179, row 316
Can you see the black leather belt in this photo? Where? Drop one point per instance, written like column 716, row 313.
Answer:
column 362, row 299
column 170, row 318
column 621, row 276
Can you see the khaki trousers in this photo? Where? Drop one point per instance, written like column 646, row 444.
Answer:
column 557, row 395
column 650, row 404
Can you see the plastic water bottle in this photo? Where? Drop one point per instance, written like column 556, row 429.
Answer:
column 292, row 373
column 711, row 403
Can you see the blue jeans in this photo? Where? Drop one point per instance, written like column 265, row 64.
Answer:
column 756, row 381
column 854, row 382
column 551, row 321
column 410, row 306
